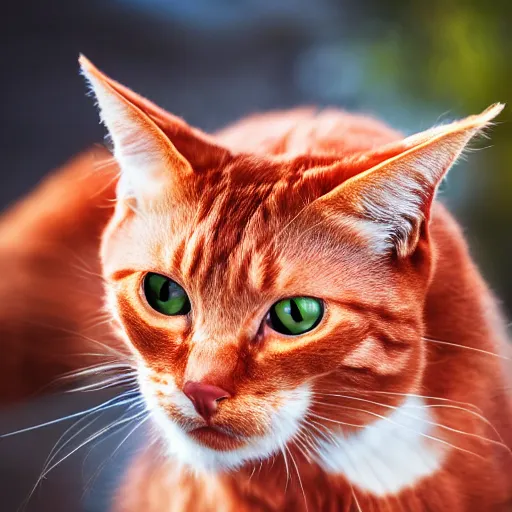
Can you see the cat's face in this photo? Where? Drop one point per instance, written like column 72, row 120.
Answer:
column 236, row 250
column 262, row 295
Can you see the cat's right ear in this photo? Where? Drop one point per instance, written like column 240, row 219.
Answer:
column 148, row 160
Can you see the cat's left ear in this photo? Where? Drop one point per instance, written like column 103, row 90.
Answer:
column 393, row 199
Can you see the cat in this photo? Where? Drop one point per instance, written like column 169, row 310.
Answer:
column 298, row 296
column 307, row 327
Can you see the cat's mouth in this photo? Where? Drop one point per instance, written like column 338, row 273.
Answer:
column 215, row 438
column 228, row 442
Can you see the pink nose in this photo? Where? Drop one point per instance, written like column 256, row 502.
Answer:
column 205, row 397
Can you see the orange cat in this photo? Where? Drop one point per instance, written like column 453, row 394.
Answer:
column 309, row 330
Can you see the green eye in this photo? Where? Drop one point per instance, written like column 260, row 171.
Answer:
column 296, row 315
column 165, row 296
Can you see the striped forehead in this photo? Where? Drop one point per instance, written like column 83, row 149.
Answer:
column 232, row 244
column 234, row 240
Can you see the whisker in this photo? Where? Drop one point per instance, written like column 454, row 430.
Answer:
column 440, row 425
column 327, row 436
column 473, row 413
column 304, row 437
column 100, row 314
column 98, row 323
column 433, row 438
column 138, row 212
column 309, row 438
column 259, row 469
column 474, row 349
column 90, row 370
column 91, row 438
column 349, row 458
column 298, row 476
column 359, row 509
column 107, row 436
column 305, row 206
column 339, row 422
column 107, row 162
column 94, row 354
column 105, row 384
column 101, row 467
column 405, row 395
column 108, row 348
column 299, row 443
column 117, row 401
column 86, row 271
column 287, row 468
column 57, row 449
column 46, row 471
column 96, row 369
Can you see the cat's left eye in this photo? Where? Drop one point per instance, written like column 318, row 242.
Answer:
column 165, row 295
column 296, row 315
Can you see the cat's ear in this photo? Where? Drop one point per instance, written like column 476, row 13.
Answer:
column 393, row 199
column 155, row 150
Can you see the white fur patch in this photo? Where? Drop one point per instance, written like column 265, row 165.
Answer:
column 284, row 424
column 389, row 455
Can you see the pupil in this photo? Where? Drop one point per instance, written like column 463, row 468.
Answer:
column 295, row 312
column 163, row 295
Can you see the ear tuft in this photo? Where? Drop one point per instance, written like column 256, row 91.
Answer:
column 479, row 122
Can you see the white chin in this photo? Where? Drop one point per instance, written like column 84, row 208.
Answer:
column 199, row 458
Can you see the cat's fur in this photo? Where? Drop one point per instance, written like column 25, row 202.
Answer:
column 51, row 289
column 398, row 400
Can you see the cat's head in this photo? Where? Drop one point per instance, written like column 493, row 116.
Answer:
column 261, row 294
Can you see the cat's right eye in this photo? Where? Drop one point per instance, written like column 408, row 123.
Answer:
column 165, row 295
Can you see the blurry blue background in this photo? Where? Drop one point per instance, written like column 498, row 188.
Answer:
column 410, row 63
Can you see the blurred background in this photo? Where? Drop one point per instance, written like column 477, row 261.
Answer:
column 410, row 63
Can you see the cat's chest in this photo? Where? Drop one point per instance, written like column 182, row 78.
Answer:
column 150, row 487
column 167, row 488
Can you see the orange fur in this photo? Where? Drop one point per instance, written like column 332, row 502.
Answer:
column 51, row 293
column 279, row 205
